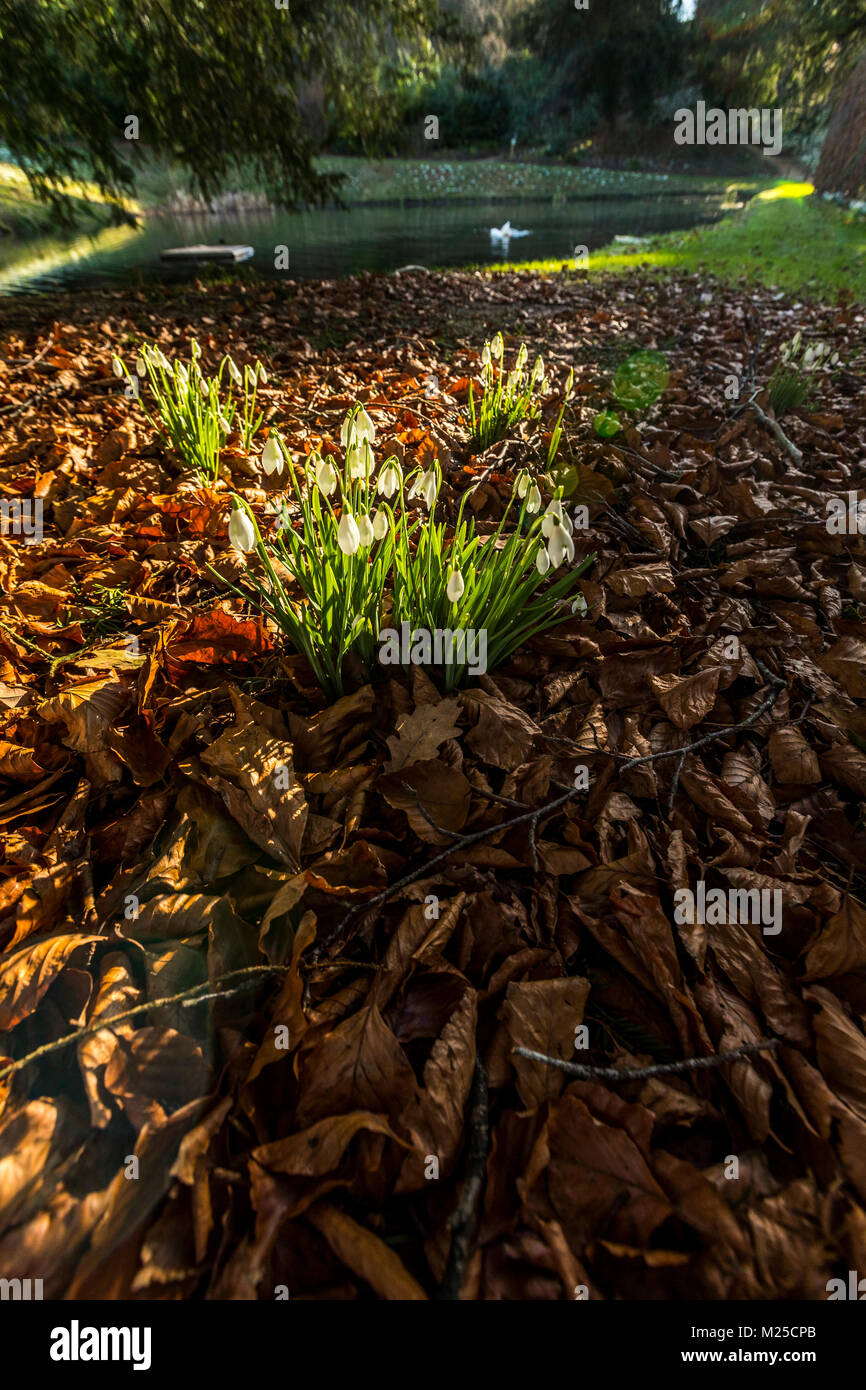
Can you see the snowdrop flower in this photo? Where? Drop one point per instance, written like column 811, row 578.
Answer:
column 234, row 374
column 326, row 477
column 521, row 358
column 272, row 456
column 542, row 560
column 364, row 428
column 537, row 369
column 560, row 546
column 204, row 388
column 242, row 532
column 808, row 358
column 365, row 531
column 456, row 586
column 162, row 360
column 533, row 501
column 552, row 517
column 360, row 459
column 426, row 488
column 380, row 524
column 523, row 481
column 497, row 346
column 579, row 605
column 141, row 365
column 261, row 374
column 485, row 355
column 117, row 366
column 347, row 433
column 348, row 535
column 224, row 425
column 389, row 480
column 182, row 375
column 569, row 385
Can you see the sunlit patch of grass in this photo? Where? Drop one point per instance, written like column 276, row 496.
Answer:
column 24, row 215
column 790, row 242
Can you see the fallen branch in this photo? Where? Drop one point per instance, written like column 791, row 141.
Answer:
column 187, row 997
column 776, row 430
column 463, row 1218
column 587, row 1073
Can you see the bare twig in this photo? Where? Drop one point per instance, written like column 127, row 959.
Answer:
column 463, row 1218
column 776, row 430
column 587, row 1073
column 196, row 995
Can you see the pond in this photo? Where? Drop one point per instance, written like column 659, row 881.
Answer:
column 331, row 243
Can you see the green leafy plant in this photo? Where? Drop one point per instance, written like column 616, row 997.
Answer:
column 192, row 413
column 507, row 398
column 466, row 582
column 329, row 580
column 797, row 372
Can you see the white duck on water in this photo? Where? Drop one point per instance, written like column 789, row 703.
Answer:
column 501, row 236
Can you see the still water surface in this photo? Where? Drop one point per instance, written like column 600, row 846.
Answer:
column 327, row 244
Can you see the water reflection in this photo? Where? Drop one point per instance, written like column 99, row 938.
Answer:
column 332, row 243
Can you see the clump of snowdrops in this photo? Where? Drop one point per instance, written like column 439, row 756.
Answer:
column 507, row 396
column 195, row 412
column 797, row 372
column 356, row 557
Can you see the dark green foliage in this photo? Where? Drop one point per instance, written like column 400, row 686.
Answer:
column 213, row 86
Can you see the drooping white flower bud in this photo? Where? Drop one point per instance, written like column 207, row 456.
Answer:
column 380, row 524
column 348, row 536
column 533, row 501
column 326, row 477
column 542, row 560
column 456, row 587
column 389, row 480
column 117, row 366
column 234, row 374
column 242, row 533
column 272, row 456
column 560, row 546
column 365, row 531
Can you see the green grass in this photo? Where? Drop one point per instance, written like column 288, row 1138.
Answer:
column 22, row 215
column 785, row 239
column 393, row 180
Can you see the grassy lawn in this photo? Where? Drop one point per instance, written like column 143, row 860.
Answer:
column 23, row 216
column 785, row 238
column 392, row 180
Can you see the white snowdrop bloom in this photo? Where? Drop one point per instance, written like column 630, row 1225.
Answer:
column 533, row 501
column 141, row 365
column 347, row 433
column 523, row 481
column 808, row 358
column 456, row 586
column 389, row 480
column 117, row 366
column 261, row 374
column 497, row 346
column 348, row 536
column 326, row 477
column 579, row 605
column 162, row 360
column 204, row 388
column 272, row 456
column 380, row 524
column 182, row 375
column 485, row 355
column 364, row 428
column 542, row 560
column 224, row 425
column 560, row 546
column 537, row 369
column 365, row 531
column 569, row 384
column 552, row 517
column 567, row 523
column 427, row 488
column 521, row 358
column 234, row 374
column 242, row 533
